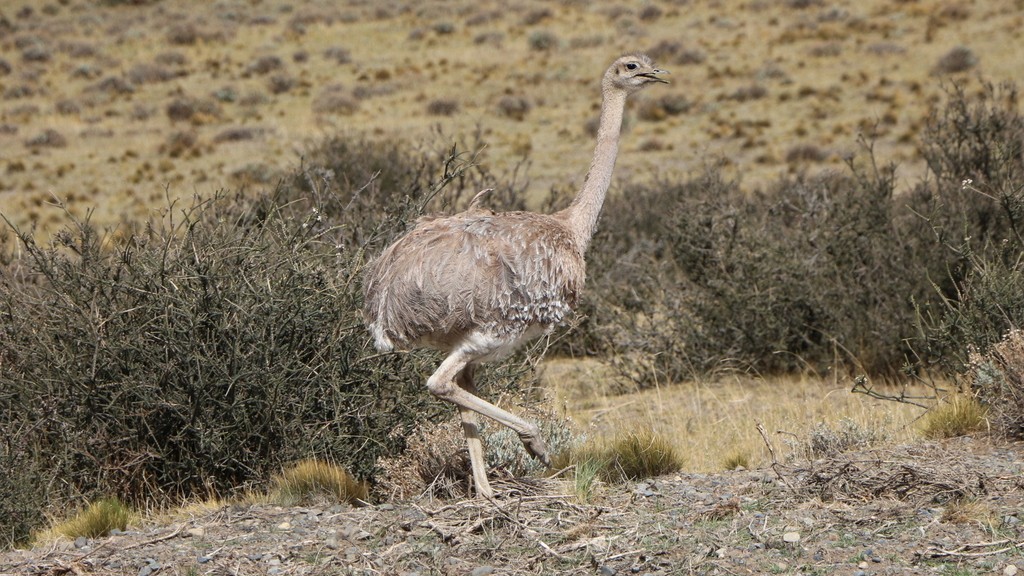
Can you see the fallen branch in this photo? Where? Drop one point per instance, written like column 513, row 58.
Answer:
column 936, row 552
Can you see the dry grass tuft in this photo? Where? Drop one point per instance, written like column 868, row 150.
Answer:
column 313, row 480
column 642, row 454
column 960, row 415
column 967, row 511
column 98, row 519
column 633, row 454
column 735, row 460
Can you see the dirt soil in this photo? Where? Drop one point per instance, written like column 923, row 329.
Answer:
column 932, row 508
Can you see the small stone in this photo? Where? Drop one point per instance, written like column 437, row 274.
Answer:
column 1010, row 570
column 862, row 565
column 145, row 570
column 196, row 532
column 203, row 559
column 81, row 542
column 284, row 526
column 482, row 571
column 606, row 570
column 791, row 537
column 355, row 533
column 332, row 542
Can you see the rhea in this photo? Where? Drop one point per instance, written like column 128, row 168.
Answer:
column 477, row 284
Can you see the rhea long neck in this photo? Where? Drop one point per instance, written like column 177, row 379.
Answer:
column 585, row 209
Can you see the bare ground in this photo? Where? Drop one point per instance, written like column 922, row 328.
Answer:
column 930, row 508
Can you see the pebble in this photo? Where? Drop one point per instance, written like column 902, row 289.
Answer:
column 791, row 537
column 643, row 489
column 284, row 526
column 606, row 570
column 196, row 532
column 1010, row 570
column 150, row 567
column 482, row 571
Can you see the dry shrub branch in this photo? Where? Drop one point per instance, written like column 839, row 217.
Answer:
column 200, row 352
column 832, row 272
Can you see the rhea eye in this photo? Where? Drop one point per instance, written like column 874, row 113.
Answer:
column 631, row 66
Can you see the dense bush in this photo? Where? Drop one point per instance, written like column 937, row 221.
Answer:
column 811, row 273
column 202, row 351
column 835, row 271
column 997, row 377
column 974, row 210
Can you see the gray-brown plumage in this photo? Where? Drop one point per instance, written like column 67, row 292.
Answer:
column 477, row 284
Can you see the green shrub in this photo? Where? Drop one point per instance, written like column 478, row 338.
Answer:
column 826, row 441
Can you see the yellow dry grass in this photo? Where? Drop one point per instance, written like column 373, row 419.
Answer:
column 94, row 521
column 713, row 424
column 770, row 77
column 313, row 479
column 961, row 414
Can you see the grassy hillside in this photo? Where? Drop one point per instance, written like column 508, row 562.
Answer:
column 115, row 105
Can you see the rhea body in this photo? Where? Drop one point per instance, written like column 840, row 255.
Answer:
column 477, row 284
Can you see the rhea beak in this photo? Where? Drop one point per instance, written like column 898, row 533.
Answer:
column 653, row 75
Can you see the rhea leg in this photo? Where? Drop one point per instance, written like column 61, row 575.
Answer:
column 471, row 428
column 442, row 383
